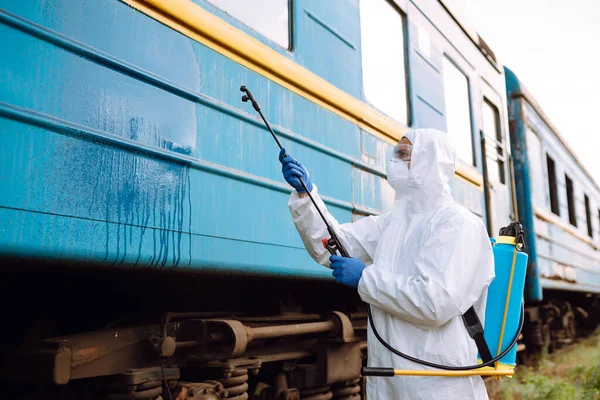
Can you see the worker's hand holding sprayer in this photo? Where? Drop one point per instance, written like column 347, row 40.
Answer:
column 292, row 170
column 347, row 271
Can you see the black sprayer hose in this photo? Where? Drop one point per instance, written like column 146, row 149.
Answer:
column 440, row 366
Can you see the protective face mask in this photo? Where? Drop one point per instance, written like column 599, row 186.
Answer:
column 398, row 174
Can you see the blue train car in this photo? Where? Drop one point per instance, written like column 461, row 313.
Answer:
column 559, row 205
column 133, row 177
column 142, row 160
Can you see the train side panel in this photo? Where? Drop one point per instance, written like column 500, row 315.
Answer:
column 569, row 256
column 134, row 159
column 567, row 253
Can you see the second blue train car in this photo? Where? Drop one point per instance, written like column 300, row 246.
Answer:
column 559, row 205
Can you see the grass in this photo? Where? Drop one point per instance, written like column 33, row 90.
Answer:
column 571, row 373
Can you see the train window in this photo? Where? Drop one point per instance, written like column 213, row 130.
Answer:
column 571, row 201
column 552, row 185
column 270, row 18
column 458, row 111
column 588, row 216
column 383, row 58
column 536, row 167
column 495, row 149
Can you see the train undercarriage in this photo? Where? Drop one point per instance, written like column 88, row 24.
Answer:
column 558, row 320
column 93, row 333
column 103, row 334
column 199, row 356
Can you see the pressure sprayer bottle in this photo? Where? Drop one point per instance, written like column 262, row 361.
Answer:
column 505, row 293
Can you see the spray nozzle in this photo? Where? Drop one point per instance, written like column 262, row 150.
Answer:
column 248, row 96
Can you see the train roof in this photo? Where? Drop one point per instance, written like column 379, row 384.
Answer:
column 516, row 88
column 459, row 17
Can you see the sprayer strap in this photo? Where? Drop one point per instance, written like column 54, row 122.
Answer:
column 475, row 330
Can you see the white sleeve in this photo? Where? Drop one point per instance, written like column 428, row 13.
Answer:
column 360, row 238
column 457, row 266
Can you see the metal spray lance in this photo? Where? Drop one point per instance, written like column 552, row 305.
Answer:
column 333, row 244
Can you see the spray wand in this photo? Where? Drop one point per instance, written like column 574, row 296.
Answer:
column 333, row 244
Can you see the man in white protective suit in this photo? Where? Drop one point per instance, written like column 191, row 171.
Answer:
column 420, row 267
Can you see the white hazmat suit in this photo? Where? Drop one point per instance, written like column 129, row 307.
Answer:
column 428, row 261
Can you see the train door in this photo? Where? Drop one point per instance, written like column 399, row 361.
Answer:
column 496, row 170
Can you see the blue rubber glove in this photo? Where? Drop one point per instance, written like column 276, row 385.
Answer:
column 292, row 170
column 347, row 270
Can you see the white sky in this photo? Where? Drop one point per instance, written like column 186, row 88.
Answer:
column 554, row 48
